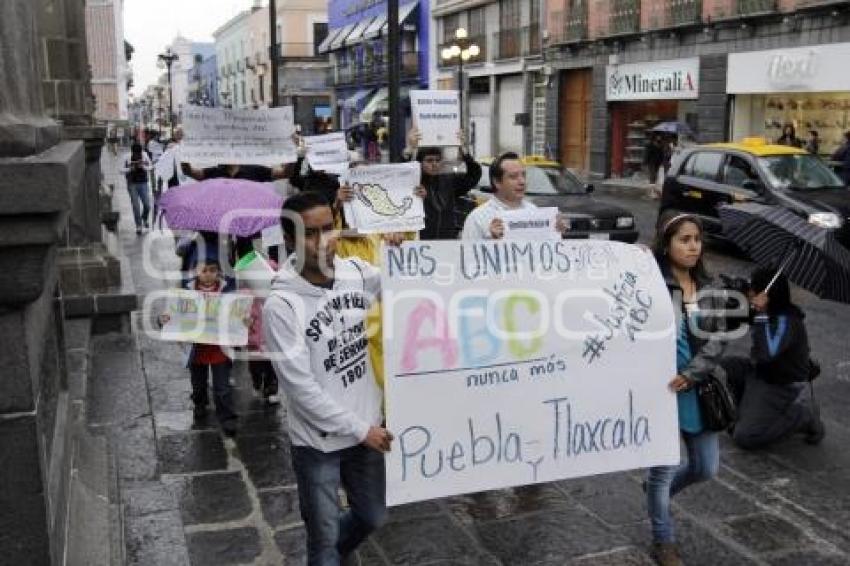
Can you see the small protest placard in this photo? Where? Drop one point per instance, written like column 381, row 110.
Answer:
column 531, row 223
column 328, row 152
column 384, row 199
column 519, row 362
column 214, row 136
column 206, row 318
column 436, row 113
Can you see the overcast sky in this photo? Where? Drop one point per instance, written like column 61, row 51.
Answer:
column 151, row 25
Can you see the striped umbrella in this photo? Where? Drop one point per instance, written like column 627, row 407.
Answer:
column 776, row 238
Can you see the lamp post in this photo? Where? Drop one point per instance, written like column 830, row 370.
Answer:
column 463, row 50
column 168, row 58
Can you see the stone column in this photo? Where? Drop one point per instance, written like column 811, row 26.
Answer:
column 37, row 171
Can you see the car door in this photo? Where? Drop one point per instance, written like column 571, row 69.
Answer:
column 698, row 183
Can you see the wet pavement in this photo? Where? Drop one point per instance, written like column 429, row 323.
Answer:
column 192, row 496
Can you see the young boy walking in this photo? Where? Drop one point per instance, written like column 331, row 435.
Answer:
column 314, row 322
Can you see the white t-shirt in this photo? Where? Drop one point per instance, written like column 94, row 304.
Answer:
column 477, row 225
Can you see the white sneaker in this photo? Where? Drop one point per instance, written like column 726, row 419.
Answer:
column 273, row 399
column 232, row 382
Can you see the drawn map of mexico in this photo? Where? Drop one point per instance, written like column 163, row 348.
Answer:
column 376, row 198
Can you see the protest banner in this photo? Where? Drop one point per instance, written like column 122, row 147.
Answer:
column 327, row 152
column 206, row 318
column 531, row 223
column 384, row 199
column 436, row 113
column 215, row 136
column 514, row 363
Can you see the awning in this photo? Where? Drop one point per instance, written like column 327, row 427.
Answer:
column 357, row 33
column 381, row 102
column 357, row 98
column 379, row 26
column 339, row 40
column 326, row 43
column 374, row 29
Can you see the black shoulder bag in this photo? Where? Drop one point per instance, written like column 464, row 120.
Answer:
column 716, row 404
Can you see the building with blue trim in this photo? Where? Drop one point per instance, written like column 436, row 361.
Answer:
column 357, row 42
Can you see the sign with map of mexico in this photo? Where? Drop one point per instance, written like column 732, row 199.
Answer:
column 384, row 200
column 518, row 362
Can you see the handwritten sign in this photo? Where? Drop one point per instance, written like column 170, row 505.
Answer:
column 436, row 113
column 207, row 318
column 246, row 137
column 518, row 362
column 531, row 223
column 328, row 151
column 384, row 199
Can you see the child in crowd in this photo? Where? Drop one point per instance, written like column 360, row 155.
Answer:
column 210, row 358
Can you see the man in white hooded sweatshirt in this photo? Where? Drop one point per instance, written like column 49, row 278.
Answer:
column 314, row 322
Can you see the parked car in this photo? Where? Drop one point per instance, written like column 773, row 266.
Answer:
column 704, row 177
column 549, row 184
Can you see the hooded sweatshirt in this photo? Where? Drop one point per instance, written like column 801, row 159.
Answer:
column 316, row 339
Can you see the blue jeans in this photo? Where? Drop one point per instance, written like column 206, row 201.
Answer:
column 140, row 199
column 666, row 481
column 222, row 391
column 331, row 534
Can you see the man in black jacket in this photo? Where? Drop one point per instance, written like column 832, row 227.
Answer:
column 443, row 189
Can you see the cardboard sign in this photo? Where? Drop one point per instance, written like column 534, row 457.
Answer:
column 328, row 152
column 514, row 363
column 384, row 199
column 436, row 113
column 207, row 318
column 531, row 223
column 215, row 136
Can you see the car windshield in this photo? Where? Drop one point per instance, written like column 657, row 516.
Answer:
column 550, row 181
column 798, row 172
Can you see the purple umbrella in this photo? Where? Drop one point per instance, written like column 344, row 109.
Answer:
column 227, row 206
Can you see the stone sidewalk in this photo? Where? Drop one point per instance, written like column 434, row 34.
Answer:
column 191, row 496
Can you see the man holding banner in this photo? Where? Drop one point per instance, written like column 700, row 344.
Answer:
column 507, row 175
column 443, row 189
column 314, row 322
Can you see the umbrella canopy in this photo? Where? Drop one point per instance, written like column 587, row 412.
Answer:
column 809, row 255
column 226, row 206
column 677, row 128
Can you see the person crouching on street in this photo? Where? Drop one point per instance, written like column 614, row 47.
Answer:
column 314, row 323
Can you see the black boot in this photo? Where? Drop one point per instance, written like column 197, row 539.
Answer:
column 815, row 431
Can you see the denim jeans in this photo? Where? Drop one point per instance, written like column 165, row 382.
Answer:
column 140, row 199
column 331, row 534
column 666, row 481
column 222, row 392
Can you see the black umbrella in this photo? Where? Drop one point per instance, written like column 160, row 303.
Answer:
column 776, row 238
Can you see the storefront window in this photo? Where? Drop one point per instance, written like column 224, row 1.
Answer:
column 764, row 115
column 798, row 172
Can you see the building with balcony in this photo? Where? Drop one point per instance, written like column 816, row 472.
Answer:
column 725, row 68
column 244, row 54
column 504, row 106
column 302, row 26
column 357, row 44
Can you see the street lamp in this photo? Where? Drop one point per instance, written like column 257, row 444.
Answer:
column 168, row 58
column 462, row 50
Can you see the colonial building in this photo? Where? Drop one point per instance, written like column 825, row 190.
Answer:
column 357, row 42
column 505, row 85
column 187, row 53
column 724, row 68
